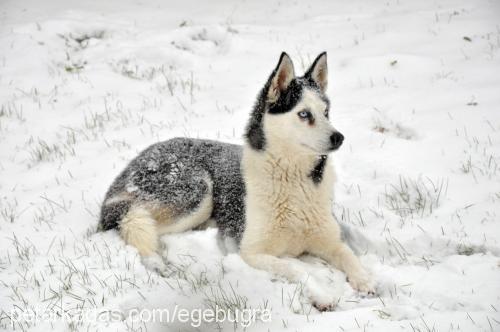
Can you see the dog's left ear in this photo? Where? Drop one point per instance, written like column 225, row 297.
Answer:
column 318, row 72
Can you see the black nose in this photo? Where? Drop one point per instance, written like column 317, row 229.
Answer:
column 336, row 139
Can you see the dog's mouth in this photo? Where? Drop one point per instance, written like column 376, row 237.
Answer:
column 321, row 151
column 334, row 148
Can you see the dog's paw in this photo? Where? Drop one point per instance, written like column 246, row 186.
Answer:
column 362, row 283
column 319, row 298
column 322, row 307
column 155, row 263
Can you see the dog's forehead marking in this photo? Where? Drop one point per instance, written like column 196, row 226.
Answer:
column 312, row 100
column 300, row 91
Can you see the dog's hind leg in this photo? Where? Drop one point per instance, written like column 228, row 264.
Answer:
column 139, row 229
column 145, row 222
column 190, row 219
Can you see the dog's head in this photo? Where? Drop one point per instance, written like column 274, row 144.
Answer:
column 293, row 112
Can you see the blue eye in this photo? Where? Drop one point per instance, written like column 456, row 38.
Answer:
column 304, row 114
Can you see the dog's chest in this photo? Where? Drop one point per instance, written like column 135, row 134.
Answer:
column 284, row 204
column 297, row 202
column 299, row 209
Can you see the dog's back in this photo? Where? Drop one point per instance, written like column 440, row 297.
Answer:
column 173, row 186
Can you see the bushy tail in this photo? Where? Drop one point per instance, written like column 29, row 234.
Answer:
column 112, row 214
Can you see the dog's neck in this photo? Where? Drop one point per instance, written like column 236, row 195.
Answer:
column 299, row 159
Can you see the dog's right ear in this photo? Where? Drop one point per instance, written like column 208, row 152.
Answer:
column 281, row 77
column 318, row 72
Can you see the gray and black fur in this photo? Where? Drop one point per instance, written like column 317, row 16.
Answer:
column 174, row 173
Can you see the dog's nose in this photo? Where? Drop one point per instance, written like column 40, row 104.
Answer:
column 336, row 139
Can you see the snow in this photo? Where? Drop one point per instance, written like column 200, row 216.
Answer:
column 85, row 86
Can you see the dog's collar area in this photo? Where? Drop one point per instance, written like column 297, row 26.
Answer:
column 317, row 172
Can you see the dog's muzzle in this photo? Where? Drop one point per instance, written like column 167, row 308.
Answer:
column 336, row 139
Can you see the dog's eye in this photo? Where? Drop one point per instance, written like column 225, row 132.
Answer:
column 326, row 112
column 304, row 114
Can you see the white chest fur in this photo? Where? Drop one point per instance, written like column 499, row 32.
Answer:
column 284, row 208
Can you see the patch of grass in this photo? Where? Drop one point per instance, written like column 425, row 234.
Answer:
column 25, row 251
column 382, row 124
column 217, row 296
column 166, row 78
column 415, row 198
column 75, row 43
column 74, row 67
column 468, row 250
column 80, row 41
column 41, row 150
column 9, row 210
column 13, row 111
column 480, row 157
column 485, row 164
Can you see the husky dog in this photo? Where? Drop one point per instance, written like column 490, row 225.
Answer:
column 273, row 195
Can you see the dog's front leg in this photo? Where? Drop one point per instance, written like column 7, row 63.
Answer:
column 285, row 268
column 275, row 265
column 328, row 246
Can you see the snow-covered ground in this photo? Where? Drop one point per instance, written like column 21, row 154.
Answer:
column 415, row 88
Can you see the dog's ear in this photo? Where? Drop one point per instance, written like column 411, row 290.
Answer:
column 281, row 77
column 318, row 72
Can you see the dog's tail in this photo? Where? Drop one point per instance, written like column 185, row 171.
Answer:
column 112, row 214
column 358, row 242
